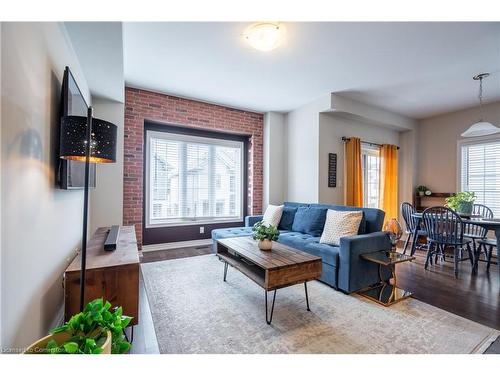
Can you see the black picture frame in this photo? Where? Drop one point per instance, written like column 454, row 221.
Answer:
column 332, row 170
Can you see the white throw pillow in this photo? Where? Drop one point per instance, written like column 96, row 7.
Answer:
column 272, row 216
column 340, row 224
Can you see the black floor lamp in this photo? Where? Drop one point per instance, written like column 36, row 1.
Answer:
column 89, row 140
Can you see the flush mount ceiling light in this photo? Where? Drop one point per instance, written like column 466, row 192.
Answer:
column 480, row 128
column 264, row 36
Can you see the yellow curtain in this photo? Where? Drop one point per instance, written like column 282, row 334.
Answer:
column 389, row 181
column 354, row 182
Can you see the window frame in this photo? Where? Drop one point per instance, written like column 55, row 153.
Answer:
column 366, row 150
column 470, row 142
column 169, row 131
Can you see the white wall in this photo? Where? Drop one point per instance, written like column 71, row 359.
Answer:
column 437, row 145
column 315, row 130
column 41, row 225
column 303, row 151
column 274, row 159
column 331, row 130
column 106, row 200
column 407, row 173
column 373, row 115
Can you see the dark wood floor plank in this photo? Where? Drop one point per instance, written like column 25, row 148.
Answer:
column 475, row 297
column 185, row 252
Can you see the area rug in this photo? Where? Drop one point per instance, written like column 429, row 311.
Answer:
column 194, row 311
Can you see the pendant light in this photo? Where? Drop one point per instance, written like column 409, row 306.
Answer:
column 480, row 128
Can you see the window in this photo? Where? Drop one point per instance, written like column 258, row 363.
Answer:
column 192, row 179
column 370, row 165
column 480, row 172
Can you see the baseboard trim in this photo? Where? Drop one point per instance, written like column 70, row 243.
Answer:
column 176, row 245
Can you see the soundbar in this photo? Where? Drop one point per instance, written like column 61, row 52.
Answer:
column 112, row 238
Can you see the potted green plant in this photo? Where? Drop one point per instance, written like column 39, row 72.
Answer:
column 421, row 189
column 462, row 202
column 265, row 234
column 95, row 330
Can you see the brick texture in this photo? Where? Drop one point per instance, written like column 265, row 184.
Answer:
column 142, row 105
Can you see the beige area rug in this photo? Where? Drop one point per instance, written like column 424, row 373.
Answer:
column 194, row 311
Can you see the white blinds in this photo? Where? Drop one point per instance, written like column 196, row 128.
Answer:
column 480, row 173
column 193, row 179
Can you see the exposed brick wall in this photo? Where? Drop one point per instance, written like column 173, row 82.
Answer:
column 141, row 105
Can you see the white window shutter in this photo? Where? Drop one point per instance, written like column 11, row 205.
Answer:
column 480, row 173
column 193, row 179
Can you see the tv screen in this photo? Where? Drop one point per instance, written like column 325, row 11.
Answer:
column 71, row 174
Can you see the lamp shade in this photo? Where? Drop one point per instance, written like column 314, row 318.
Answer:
column 480, row 129
column 73, row 140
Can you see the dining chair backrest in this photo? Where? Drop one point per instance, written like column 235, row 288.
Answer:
column 475, row 230
column 443, row 225
column 407, row 211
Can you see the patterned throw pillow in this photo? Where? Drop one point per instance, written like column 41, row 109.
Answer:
column 272, row 216
column 340, row 224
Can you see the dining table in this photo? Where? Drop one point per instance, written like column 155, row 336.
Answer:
column 488, row 224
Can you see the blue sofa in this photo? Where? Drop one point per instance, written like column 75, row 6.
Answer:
column 301, row 226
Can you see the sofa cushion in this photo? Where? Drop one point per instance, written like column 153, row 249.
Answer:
column 362, row 226
column 272, row 216
column 328, row 253
column 287, row 218
column 372, row 221
column 340, row 224
column 218, row 234
column 296, row 240
column 310, row 220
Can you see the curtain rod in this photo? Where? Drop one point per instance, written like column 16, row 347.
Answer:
column 345, row 139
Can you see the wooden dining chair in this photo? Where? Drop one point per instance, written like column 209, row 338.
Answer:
column 487, row 245
column 407, row 211
column 477, row 233
column 445, row 229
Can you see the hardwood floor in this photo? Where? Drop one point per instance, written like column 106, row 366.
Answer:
column 473, row 297
column 186, row 252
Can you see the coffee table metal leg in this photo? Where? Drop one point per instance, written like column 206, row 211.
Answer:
column 225, row 270
column 268, row 320
column 307, row 297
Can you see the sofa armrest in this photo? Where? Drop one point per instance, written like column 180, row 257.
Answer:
column 354, row 272
column 251, row 220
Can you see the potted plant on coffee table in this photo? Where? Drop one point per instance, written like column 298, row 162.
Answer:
column 265, row 234
column 95, row 330
column 462, row 202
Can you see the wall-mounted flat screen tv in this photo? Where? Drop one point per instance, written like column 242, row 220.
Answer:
column 71, row 174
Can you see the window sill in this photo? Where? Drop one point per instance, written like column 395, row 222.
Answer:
column 195, row 222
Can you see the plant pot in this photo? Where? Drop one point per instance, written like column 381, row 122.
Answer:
column 265, row 245
column 465, row 208
column 39, row 346
column 421, row 193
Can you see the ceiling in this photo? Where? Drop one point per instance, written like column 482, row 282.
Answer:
column 414, row 69
column 99, row 47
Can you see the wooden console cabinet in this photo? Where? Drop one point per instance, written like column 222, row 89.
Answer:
column 113, row 275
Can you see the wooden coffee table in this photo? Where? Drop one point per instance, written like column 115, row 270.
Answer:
column 281, row 267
